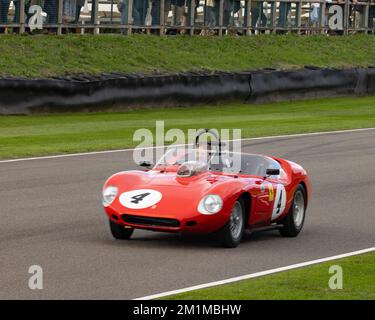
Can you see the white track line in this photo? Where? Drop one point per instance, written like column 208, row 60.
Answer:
column 132, row 149
column 256, row 275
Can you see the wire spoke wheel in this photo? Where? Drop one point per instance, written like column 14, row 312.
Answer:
column 298, row 208
column 293, row 222
column 236, row 221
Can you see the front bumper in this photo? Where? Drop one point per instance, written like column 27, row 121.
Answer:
column 191, row 223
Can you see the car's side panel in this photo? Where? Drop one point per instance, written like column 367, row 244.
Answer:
column 272, row 197
column 261, row 205
column 295, row 176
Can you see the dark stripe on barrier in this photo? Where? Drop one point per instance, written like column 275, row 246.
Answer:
column 116, row 91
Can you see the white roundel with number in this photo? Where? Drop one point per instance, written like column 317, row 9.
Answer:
column 140, row 199
column 280, row 202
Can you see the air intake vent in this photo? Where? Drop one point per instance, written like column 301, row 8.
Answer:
column 151, row 221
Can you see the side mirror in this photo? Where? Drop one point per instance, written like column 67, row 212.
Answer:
column 146, row 164
column 272, row 172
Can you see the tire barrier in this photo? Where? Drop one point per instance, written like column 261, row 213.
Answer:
column 116, row 92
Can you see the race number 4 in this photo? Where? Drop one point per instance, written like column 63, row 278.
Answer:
column 280, row 202
column 140, row 199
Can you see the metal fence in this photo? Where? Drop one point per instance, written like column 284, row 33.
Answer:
column 205, row 17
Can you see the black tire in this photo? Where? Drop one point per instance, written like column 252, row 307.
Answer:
column 226, row 236
column 120, row 232
column 291, row 228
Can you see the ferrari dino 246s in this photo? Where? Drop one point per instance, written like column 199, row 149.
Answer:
column 207, row 190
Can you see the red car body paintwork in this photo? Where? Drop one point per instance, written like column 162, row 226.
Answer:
column 181, row 196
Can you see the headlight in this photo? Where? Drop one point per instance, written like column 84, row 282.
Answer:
column 109, row 195
column 210, row 204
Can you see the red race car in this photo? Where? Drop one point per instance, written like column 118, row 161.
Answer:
column 207, row 190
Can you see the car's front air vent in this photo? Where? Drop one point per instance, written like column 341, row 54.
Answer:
column 151, row 221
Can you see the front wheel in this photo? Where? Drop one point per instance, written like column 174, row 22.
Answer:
column 231, row 234
column 120, row 232
column 293, row 222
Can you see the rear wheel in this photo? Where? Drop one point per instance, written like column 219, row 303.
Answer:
column 120, row 232
column 231, row 234
column 293, row 222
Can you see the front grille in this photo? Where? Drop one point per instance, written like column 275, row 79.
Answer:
column 151, row 221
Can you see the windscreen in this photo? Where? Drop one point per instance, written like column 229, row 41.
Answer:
column 193, row 161
column 179, row 156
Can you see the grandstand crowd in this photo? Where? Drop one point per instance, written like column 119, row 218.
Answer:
column 147, row 15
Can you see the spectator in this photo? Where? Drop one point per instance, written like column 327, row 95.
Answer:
column 178, row 9
column 228, row 12
column 4, row 9
column 237, row 6
column 314, row 17
column 69, row 11
column 50, row 8
column 371, row 14
column 358, row 12
column 123, row 7
column 197, row 5
column 284, row 9
column 139, row 12
column 79, row 5
column 256, row 13
column 167, row 9
column 237, row 9
column 210, row 9
column 155, row 11
column 195, row 11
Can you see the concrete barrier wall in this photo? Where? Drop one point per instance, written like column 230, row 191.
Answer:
column 115, row 92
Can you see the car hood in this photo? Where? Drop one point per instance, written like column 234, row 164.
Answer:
column 178, row 195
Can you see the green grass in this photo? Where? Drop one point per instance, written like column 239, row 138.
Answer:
column 22, row 136
column 42, row 55
column 302, row 284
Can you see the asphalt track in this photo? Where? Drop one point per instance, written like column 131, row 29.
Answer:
column 50, row 215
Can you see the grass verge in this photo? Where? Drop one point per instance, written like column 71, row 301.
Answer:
column 43, row 56
column 23, row 136
column 302, row 284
